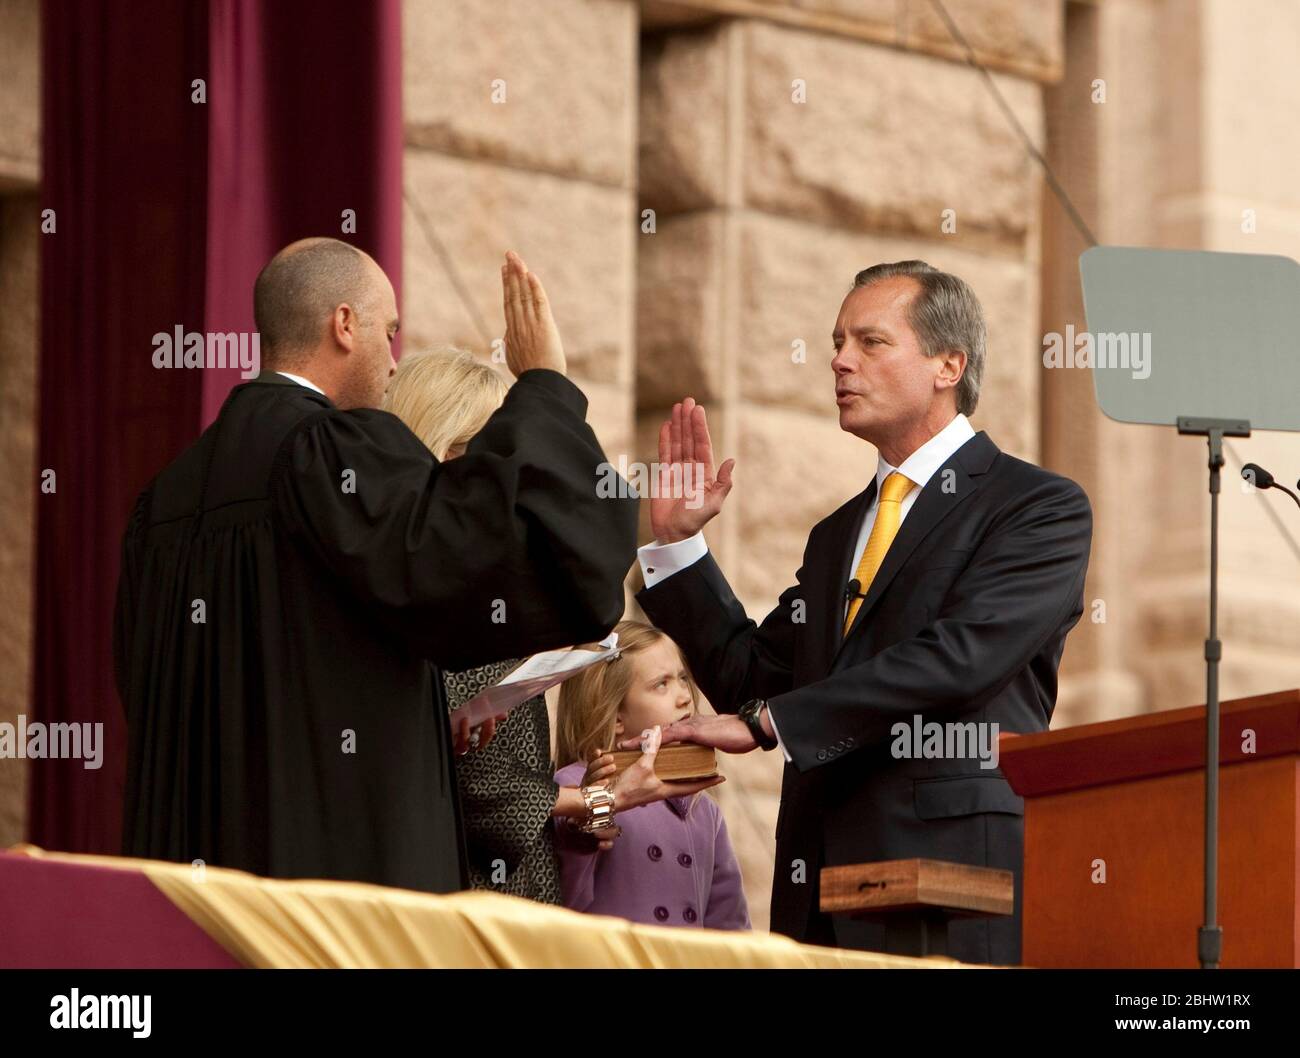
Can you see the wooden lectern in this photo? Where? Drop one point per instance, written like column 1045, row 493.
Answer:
column 1126, row 797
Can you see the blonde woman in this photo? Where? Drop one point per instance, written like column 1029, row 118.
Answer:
column 508, row 797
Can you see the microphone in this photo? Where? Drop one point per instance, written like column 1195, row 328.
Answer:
column 1262, row 479
column 1257, row 476
column 853, row 590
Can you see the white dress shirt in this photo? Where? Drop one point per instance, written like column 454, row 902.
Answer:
column 303, row 382
column 660, row 561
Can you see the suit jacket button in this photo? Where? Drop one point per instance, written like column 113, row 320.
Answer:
column 848, row 741
column 661, row 913
column 684, row 859
column 689, row 914
column 655, row 853
column 821, row 754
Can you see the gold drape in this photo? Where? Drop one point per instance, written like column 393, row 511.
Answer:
column 270, row 923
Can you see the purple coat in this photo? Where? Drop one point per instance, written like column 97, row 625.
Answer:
column 672, row 866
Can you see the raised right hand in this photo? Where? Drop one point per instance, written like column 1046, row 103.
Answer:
column 532, row 339
column 689, row 494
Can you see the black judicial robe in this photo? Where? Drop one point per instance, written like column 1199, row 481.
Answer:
column 287, row 586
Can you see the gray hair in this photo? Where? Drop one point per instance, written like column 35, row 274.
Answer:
column 945, row 314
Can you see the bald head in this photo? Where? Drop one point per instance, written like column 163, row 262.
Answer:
column 327, row 312
column 297, row 292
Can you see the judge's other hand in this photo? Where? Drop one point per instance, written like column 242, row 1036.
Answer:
column 639, row 785
column 727, row 733
column 689, row 493
column 532, row 339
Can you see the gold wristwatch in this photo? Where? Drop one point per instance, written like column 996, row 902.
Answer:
column 600, row 809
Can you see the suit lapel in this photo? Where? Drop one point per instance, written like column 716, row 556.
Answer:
column 932, row 506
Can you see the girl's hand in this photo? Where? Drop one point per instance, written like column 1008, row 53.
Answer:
column 605, row 838
column 599, row 770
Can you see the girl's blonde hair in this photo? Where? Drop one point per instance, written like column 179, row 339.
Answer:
column 444, row 396
column 589, row 702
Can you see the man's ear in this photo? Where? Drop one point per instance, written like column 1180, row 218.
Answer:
column 952, row 365
column 343, row 326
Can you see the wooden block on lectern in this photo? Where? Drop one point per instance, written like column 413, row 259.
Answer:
column 869, row 889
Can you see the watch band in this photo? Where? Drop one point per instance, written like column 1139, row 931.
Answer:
column 751, row 713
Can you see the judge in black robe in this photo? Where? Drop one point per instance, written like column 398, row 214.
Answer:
column 286, row 584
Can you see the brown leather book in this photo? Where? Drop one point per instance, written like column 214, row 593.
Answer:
column 675, row 761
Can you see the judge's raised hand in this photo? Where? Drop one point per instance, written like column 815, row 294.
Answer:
column 689, row 493
column 532, row 339
column 639, row 785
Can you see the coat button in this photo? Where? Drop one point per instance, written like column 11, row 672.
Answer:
column 849, row 741
column 661, row 913
column 689, row 914
column 655, row 853
column 821, row 754
column 684, row 859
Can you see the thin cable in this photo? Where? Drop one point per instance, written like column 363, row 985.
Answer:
column 1272, row 511
column 1007, row 112
column 448, row 263
column 1073, row 213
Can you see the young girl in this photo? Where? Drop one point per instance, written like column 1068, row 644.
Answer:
column 670, row 862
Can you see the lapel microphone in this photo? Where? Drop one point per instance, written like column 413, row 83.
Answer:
column 1262, row 479
column 853, row 590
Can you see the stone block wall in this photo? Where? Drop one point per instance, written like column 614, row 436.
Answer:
column 19, row 306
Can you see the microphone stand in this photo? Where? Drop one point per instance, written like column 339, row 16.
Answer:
column 1209, row 938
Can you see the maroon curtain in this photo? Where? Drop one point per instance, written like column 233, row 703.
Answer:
column 165, row 210
column 306, row 123
column 123, row 155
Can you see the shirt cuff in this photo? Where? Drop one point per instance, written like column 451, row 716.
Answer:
column 661, row 561
column 772, row 717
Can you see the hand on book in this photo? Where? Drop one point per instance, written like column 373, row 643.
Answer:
column 727, row 733
column 639, row 785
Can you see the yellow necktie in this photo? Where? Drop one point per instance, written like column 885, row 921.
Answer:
column 888, row 512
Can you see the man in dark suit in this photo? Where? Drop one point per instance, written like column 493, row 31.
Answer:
column 941, row 594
